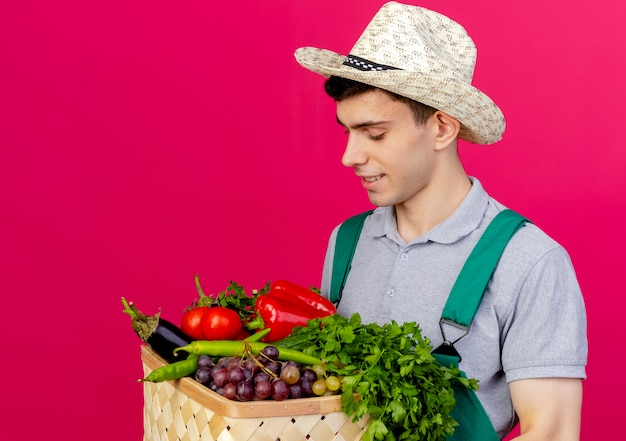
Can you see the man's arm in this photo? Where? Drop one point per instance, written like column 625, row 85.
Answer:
column 548, row 408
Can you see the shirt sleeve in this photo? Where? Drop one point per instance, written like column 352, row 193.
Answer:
column 546, row 334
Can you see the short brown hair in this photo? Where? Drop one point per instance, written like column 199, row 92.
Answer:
column 339, row 88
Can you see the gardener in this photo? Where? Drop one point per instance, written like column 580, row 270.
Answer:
column 404, row 98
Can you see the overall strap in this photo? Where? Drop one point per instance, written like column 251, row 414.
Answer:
column 347, row 238
column 461, row 306
column 469, row 288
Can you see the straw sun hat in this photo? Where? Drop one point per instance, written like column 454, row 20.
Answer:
column 422, row 55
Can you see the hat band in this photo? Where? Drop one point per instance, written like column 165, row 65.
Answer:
column 363, row 64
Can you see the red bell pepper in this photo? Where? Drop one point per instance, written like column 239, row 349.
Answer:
column 286, row 306
column 293, row 292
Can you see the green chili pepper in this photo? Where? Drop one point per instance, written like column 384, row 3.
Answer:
column 173, row 371
column 229, row 348
column 257, row 336
column 184, row 368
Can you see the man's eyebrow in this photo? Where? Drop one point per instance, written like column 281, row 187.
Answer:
column 363, row 124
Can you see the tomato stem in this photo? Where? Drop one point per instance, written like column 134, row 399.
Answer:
column 202, row 296
column 198, row 286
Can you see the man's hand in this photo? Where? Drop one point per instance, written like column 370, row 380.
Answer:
column 548, row 408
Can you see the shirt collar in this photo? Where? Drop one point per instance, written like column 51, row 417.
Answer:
column 465, row 219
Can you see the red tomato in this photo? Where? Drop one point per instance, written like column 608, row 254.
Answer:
column 191, row 323
column 220, row 323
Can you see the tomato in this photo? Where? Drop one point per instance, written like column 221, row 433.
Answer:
column 191, row 323
column 221, row 323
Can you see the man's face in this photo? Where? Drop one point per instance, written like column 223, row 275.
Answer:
column 394, row 157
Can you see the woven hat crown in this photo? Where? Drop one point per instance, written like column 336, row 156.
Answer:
column 415, row 39
column 422, row 55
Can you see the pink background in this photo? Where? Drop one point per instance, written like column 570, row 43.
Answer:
column 142, row 142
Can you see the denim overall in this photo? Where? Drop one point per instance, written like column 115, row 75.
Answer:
column 458, row 312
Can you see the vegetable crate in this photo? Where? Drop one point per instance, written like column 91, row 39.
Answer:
column 185, row 410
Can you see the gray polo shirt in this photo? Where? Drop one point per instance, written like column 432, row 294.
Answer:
column 530, row 324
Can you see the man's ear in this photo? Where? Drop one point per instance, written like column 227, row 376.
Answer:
column 448, row 129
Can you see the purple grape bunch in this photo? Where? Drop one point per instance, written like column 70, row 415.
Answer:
column 256, row 378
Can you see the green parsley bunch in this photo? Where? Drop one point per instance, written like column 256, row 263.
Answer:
column 388, row 372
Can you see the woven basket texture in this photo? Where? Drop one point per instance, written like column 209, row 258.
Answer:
column 171, row 414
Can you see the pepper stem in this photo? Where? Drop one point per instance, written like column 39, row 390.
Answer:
column 257, row 323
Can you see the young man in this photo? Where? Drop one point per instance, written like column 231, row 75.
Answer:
column 404, row 97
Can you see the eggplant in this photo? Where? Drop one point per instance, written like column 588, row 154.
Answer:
column 161, row 335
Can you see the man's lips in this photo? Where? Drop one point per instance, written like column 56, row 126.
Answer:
column 370, row 182
column 371, row 178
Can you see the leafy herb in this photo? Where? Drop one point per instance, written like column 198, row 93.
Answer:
column 234, row 297
column 407, row 393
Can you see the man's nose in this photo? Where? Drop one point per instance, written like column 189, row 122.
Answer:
column 354, row 153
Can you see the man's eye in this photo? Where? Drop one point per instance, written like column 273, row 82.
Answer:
column 375, row 137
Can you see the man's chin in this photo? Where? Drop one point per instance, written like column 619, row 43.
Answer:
column 379, row 202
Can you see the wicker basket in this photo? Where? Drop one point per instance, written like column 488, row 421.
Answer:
column 187, row 411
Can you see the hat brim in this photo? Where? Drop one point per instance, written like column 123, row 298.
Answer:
column 482, row 121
